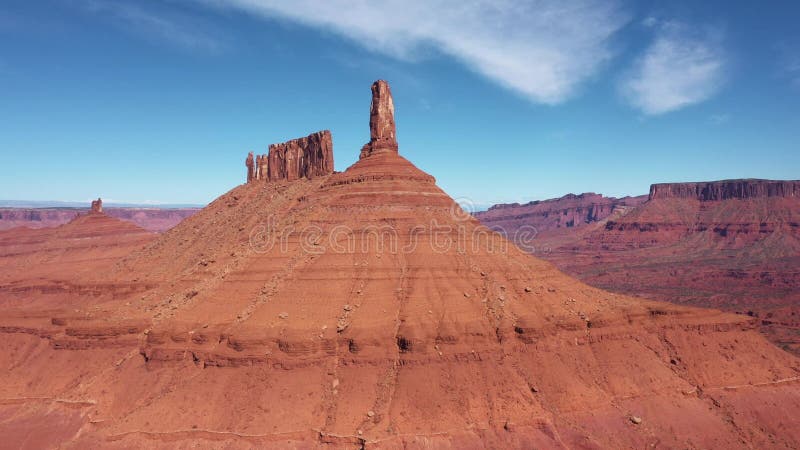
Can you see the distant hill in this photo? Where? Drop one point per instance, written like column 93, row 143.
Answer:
column 152, row 218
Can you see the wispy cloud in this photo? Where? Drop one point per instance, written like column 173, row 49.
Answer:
column 156, row 26
column 543, row 49
column 789, row 62
column 719, row 119
column 681, row 67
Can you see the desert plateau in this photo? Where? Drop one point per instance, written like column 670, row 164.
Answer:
column 375, row 312
column 168, row 281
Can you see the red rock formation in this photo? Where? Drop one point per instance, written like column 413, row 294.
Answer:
column 566, row 212
column 381, row 121
column 684, row 246
column 726, row 189
column 306, row 157
column 250, row 167
column 208, row 336
column 257, row 168
column 97, row 206
column 151, row 219
column 263, row 166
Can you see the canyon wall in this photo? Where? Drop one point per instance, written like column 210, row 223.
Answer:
column 305, row 157
column 726, row 189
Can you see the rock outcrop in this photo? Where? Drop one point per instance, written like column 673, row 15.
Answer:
column 262, row 165
column 305, row 157
column 382, row 132
column 251, row 173
column 726, row 189
column 97, row 206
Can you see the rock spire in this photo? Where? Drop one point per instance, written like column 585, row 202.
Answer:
column 251, row 174
column 382, row 132
column 97, row 206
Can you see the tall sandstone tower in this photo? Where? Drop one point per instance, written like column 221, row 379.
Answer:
column 382, row 132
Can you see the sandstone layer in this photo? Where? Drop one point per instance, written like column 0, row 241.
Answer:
column 727, row 189
column 365, row 309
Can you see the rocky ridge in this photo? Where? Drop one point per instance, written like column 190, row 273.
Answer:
column 565, row 212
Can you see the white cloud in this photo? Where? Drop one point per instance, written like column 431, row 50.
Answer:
column 681, row 67
column 543, row 49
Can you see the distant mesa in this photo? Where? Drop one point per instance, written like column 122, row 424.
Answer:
column 305, row 157
column 726, row 189
column 97, row 206
column 565, row 212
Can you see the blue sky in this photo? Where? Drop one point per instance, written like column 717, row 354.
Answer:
column 502, row 101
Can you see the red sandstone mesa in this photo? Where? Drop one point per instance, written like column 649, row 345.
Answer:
column 207, row 337
column 727, row 189
column 307, row 157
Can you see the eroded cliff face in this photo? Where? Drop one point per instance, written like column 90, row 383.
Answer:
column 726, row 189
column 305, row 157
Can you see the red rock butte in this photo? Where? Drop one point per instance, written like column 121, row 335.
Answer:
column 97, row 206
column 365, row 309
column 306, row 157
